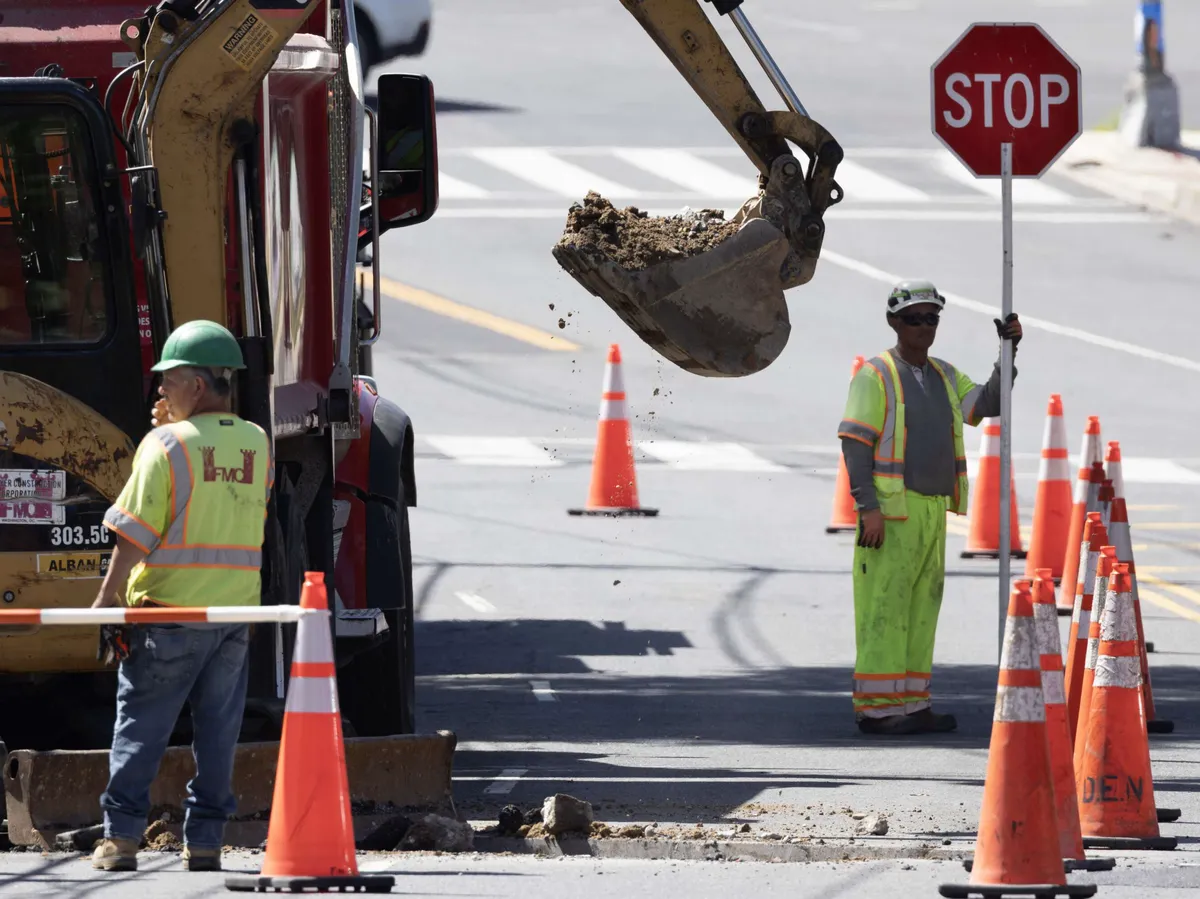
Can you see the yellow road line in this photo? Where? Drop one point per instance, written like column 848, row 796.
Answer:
column 1166, row 569
column 1166, row 526
column 1163, row 603
column 1178, row 589
column 1150, row 508
column 438, row 305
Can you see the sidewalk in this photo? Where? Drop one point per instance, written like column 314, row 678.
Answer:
column 1161, row 180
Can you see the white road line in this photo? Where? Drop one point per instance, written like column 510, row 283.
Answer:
column 1157, row 471
column 931, row 216
column 546, row 170
column 451, row 188
column 865, row 185
column 476, row 602
column 695, row 456
column 518, row 451
column 541, row 689
column 503, row 784
column 683, row 168
column 1024, row 191
column 1109, row 343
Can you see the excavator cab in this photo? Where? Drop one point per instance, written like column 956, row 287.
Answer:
column 720, row 312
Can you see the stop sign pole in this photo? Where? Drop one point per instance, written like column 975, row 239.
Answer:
column 1007, row 102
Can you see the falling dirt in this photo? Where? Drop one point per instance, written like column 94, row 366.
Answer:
column 159, row 838
column 635, row 240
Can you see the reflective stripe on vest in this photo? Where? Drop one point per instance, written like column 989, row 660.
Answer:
column 173, row 551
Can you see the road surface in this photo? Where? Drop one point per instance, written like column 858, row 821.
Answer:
column 695, row 668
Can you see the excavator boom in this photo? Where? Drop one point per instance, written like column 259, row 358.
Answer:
column 722, row 312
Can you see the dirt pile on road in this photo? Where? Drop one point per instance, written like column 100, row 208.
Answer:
column 636, row 240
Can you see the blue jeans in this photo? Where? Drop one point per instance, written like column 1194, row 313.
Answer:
column 167, row 666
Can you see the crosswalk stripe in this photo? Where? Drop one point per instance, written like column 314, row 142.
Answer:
column 864, row 185
column 451, row 188
column 683, row 168
column 546, row 170
column 507, row 451
column 698, row 456
column 1024, row 191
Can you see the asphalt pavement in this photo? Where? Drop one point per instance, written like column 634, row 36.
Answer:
column 695, row 667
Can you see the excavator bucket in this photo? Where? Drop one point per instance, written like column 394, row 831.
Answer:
column 718, row 312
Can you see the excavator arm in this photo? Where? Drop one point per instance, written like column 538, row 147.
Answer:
column 722, row 312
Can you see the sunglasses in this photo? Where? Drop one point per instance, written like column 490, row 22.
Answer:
column 912, row 319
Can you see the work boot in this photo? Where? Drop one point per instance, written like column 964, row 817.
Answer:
column 892, row 725
column 929, row 723
column 115, row 854
column 201, row 859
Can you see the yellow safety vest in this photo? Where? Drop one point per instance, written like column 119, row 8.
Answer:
column 875, row 416
column 196, row 503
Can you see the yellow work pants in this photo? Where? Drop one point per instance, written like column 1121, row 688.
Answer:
column 897, row 598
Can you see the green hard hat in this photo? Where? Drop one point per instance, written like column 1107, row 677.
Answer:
column 201, row 343
column 911, row 293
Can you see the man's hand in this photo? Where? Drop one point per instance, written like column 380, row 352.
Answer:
column 870, row 533
column 106, row 599
column 1010, row 328
column 161, row 414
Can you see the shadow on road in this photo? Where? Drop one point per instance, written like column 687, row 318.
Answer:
column 475, row 679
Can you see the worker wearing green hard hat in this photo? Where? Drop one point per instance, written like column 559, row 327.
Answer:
column 189, row 534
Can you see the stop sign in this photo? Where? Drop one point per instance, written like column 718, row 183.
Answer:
column 1006, row 83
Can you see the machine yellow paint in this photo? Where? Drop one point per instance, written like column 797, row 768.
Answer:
column 202, row 79
column 41, row 422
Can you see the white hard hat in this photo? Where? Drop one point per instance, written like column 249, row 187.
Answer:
column 911, row 293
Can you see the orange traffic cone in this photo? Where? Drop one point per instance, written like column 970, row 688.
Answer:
column 1122, row 539
column 1017, row 844
column 1116, row 786
column 1052, row 507
column 1058, row 734
column 1104, row 569
column 845, row 514
column 1113, row 469
column 1087, row 487
column 1105, row 498
column 1094, row 537
column 614, row 481
column 310, row 837
column 1091, row 503
column 983, row 541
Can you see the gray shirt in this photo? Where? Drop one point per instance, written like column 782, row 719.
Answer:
column 929, row 435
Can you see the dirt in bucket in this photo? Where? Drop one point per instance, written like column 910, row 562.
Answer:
column 635, row 240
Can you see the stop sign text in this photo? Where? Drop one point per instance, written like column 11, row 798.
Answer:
column 1006, row 83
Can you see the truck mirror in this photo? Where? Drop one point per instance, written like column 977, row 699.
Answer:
column 407, row 163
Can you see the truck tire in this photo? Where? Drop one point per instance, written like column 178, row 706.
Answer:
column 377, row 689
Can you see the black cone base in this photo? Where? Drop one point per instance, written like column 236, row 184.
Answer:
column 254, row 883
column 1167, row 815
column 1129, row 843
column 615, row 513
column 1070, row 864
column 991, row 554
column 1036, row 890
column 841, row 529
column 1159, row 726
column 1149, row 646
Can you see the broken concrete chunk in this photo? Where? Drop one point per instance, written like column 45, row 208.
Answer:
column 562, row 813
column 875, row 825
column 510, row 819
column 438, row 834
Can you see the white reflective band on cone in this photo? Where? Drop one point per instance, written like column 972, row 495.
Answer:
column 1054, row 689
column 1019, row 704
column 1119, row 622
column 1121, row 671
column 312, row 695
column 1054, row 470
column 313, row 644
column 613, row 410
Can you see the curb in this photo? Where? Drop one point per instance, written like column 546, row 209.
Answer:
column 1155, row 179
column 720, row 850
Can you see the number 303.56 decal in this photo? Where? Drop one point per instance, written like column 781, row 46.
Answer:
column 80, row 535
